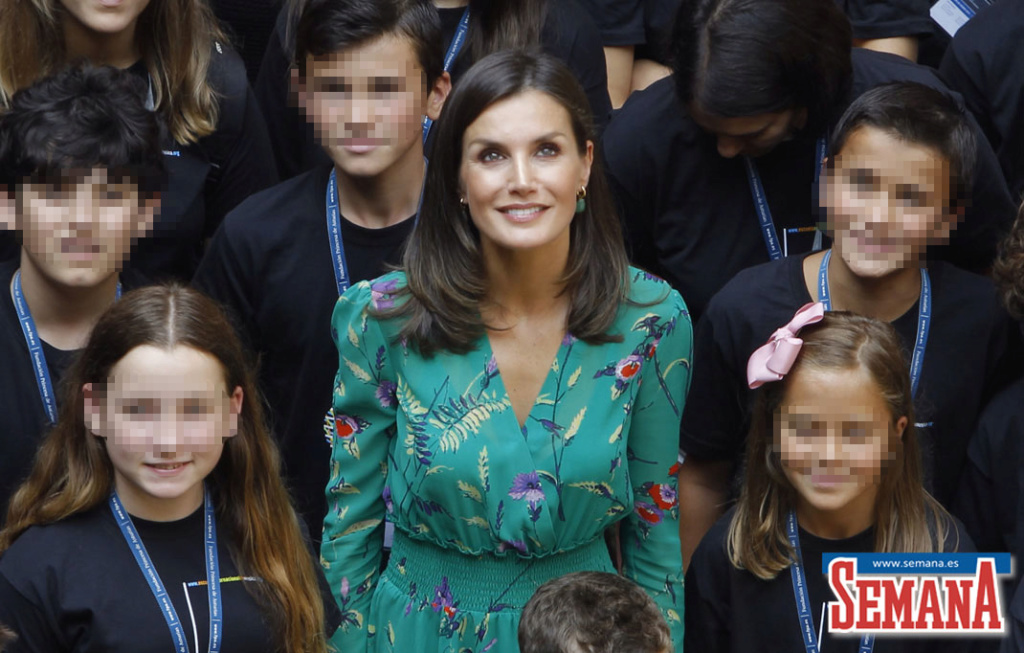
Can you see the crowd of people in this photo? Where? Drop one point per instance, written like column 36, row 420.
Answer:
column 502, row 326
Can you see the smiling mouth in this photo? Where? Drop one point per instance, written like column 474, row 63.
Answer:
column 523, row 214
column 166, row 467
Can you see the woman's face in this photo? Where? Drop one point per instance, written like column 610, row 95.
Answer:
column 165, row 414
column 835, row 433
column 105, row 16
column 521, row 170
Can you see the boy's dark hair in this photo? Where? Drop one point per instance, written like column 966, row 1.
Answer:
column 329, row 26
column 917, row 114
column 592, row 612
column 82, row 117
column 737, row 58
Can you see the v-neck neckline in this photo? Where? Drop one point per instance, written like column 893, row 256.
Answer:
column 489, row 356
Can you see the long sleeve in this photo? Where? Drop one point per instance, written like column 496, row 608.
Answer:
column 362, row 431
column 650, row 542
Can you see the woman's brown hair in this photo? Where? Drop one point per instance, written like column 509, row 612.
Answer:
column 907, row 518
column 73, row 473
column 1008, row 270
column 176, row 39
column 443, row 261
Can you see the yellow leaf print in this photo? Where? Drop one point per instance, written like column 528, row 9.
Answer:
column 575, row 376
column 574, row 427
column 412, row 406
column 353, row 337
column 364, row 525
column 673, row 615
column 470, row 492
column 358, row 372
column 476, row 520
column 616, row 435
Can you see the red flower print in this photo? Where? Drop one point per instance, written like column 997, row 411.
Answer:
column 628, row 367
column 346, row 426
column 663, row 495
column 649, row 513
column 674, row 469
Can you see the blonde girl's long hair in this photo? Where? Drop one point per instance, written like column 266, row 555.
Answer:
column 908, row 519
column 176, row 39
column 73, row 473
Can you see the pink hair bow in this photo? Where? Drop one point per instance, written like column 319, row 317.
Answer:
column 772, row 361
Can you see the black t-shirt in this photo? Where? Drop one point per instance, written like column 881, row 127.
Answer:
column 24, row 418
column 75, row 586
column 871, row 19
column 973, row 350
column 270, row 264
column 688, row 212
column 568, row 33
column 983, row 64
column 730, row 610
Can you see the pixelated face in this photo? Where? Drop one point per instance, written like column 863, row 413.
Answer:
column 366, row 104
column 521, row 169
column 750, row 135
column 105, row 16
column 165, row 414
column 79, row 226
column 834, row 432
column 886, row 201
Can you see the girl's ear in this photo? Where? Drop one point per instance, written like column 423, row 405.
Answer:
column 234, row 410
column 901, row 427
column 91, row 406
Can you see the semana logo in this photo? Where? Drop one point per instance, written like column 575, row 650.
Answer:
column 942, row 593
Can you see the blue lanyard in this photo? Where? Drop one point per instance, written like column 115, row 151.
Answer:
column 924, row 317
column 453, row 51
column 124, row 522
column 803, row 601
column 35, row 349
column 334, row 232
column 764, row 213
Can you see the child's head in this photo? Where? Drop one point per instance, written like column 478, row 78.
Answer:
column 367, row 71
column 160, row 399
column 896, row 182
column 592, row 612
column 81, row 171
column 831, row 437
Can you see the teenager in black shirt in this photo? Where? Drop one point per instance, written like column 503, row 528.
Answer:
column 80, row 174
column 784, row 71
column 215, row 143
column 271, row 262
column 154, row 513
column 832, row 468
column 893, row 187
column 561, row 27
column 983, row 64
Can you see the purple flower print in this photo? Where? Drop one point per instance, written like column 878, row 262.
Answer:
column 388, row 503
column 514, row 545
column 628, row 367
column 527, row 486
column 443, row 599
column 386, row 394
column 381, row 294
column 568, row 339
column 492, row 366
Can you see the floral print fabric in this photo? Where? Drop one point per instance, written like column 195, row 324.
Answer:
column 433, row 444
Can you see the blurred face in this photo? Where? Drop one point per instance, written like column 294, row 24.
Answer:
column 886, row 202
column 834, row 434
column 367, row 104
column 78, row 227
column 165, row 415
column 750, row 135
column 105, row 16
column 520, row 172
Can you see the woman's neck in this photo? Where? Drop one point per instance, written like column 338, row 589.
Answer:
column 524, row 283
column 118, row 50
column 64, row 315
column 855, row 517
column 883, row 298
column 450, row 4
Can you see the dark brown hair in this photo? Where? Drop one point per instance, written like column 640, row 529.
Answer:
column 908, row 519
column 73, row 473
column 595, row 612
column 496, row 25
column 1008, row 270
column 443, row 261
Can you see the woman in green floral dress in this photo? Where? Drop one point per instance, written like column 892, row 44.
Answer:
column 510, row 395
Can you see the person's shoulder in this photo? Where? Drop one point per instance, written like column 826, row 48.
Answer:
column 650, row 117
column 872, row 68
column 273, row 209
column 56, row 545
column 227, row 71
column 757, row 287
column 958, row 287
column 652, row 294
column 989, row 28
column 378, row 294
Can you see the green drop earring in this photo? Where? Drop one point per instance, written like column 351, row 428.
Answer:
column 581, row 199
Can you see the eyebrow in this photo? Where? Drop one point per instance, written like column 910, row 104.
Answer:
column 540, row 139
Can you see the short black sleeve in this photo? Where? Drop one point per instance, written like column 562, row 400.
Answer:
column 879, row 19
column 621, row 21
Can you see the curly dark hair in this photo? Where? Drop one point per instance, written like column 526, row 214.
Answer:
column 1008, row 270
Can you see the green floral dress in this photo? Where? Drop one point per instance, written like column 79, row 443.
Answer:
column 486, row 511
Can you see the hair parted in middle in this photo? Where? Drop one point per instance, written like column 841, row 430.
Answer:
column 592, row 611
column 73, row 473
column 738, row 58
column 908, row 519
column 443, row 261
